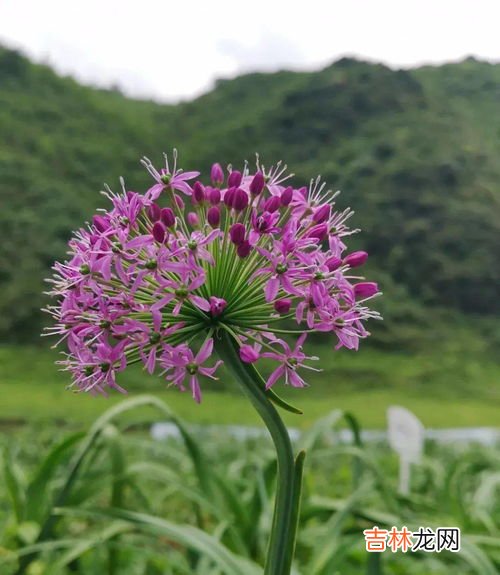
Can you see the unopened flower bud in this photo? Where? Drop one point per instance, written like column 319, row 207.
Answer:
column 287, row 196
column 229, row 197
column 283, row 306
column 217, row 305
column 193, row 219
column 248, row 354
column 234, row 179
column 333, row 263
column 237, row 233
column 240, row 200
column 159, row 232
column 179, row 202
column 198, row 193
column 272, row 204
column 154, row 212
column 101, row 223
column 216, row 175
column 319, row 232
column 213, row 216
column 213, row 195
column 356, row 259
column 365, row 289
column 322, row 214
column 244, row 249
column 167, row 217
column 257, row 184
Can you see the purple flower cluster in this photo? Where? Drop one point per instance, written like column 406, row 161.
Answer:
column 157, row 277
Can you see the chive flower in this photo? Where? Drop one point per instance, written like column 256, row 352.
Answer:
column 160, row 277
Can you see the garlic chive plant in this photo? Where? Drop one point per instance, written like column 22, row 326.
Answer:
column 190, row 270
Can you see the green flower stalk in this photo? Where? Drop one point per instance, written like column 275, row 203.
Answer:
column 286, row 512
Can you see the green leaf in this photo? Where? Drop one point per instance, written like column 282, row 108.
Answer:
column 14, row 481
column 328, row 545
column 28, row 531
column 374, row 564
column 311, row 437
column 89, row 443
column 280, row 402
column 240, row 528
column 295, row 505
column 87, row 543
column 189, row 537
column 37, row 492
column 476, row 558
column 118, row 482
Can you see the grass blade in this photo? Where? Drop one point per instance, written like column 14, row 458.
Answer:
column 185, row 535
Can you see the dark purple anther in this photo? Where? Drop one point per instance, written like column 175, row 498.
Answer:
column 283, row 306
column 198, row 193
column 244, row 249
column 272, row 204
column 234, row 179
column 154, row 212
column 216, row 175
column 159, row 232
column 356, row 259
column 167, row 217
column 237, row 233
column 257, row 184
column 322, row 214
column 287, row 196
column 365, row 289
column 213, row 216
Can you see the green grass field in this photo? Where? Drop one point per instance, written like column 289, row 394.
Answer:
column 444, row 391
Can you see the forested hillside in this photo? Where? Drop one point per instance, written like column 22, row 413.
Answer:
column 414, row 152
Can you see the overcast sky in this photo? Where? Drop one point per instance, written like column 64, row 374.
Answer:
column 171, row 50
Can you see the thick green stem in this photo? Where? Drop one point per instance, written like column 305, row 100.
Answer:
column 286, row 509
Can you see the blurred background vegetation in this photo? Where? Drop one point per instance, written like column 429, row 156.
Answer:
column 414, row 152
column 113, row 501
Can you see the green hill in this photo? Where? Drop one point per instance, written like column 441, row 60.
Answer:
column 415, row 153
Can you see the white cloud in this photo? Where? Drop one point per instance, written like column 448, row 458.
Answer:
column 170, row 50
column 266, row 51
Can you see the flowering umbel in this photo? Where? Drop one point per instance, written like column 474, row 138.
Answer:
column 158, row 277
